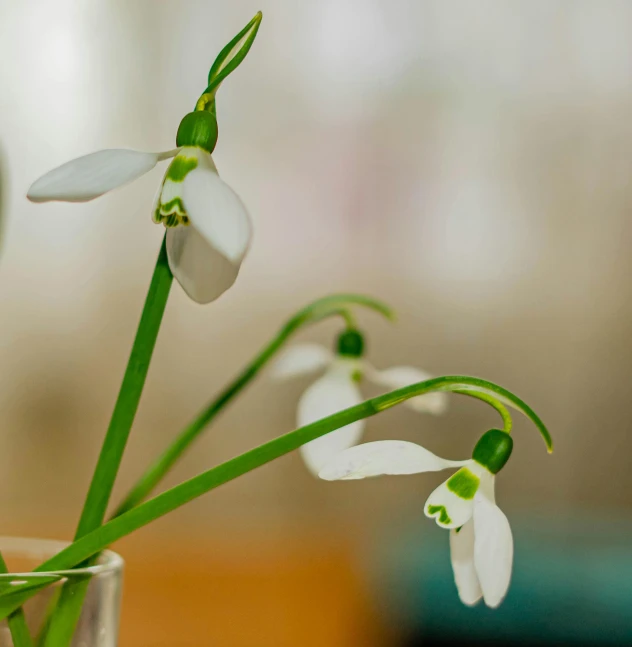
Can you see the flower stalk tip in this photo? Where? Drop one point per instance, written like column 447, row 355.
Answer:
column 229, row 59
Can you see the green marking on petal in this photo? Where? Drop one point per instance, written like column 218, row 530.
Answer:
column 180, row 168
column 464, row 484
column 440, row 510
column 174, row 206
column 171, row 214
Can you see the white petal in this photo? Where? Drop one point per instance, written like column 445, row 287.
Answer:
column 301, row 359
column 383, row 457
column 462, row 557
column 493, row 550
column 400, row 376
column 447, row 508
column 90, row 176
column 201, row 270
column 333, row 392
column 217, row 213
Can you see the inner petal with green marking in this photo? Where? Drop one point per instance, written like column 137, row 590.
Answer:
column 452, row 503
column 169, row 208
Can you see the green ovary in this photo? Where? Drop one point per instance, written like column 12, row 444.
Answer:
column 444, row 518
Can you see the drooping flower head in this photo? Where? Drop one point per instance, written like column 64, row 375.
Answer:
column 481, row 543
column 208, row 227
column 339, row 388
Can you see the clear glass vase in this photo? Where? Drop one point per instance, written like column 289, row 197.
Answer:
column 99, row 620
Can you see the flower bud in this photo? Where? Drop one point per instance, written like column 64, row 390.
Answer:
column 351, row 344
column 493, row 450
column 199, row 129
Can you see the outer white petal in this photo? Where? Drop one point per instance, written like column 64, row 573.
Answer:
column 301, row 359
column 400, row 376
column 333, row 392
column 493, row 550
column 383, row 457
column 462, row 557
column 447, row 508
column 201, row 270
column 90, row 176
column 217, row 213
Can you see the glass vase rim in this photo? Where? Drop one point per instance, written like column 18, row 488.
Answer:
column 42, row 549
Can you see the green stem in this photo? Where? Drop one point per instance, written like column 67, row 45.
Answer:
column 68, row 608
column 128, row 398
column 168, row 501
column 493, row 402
column 316, row 311
column 17, row 622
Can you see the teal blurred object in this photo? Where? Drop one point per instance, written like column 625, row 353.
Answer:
column 572, row 585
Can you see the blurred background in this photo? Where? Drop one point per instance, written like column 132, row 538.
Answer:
column 470, row 164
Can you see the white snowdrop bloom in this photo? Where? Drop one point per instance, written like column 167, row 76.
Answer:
column 481, row 543
column 208, row 227
column 339, row 388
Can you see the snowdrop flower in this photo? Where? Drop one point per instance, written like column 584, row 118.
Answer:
column 481, row 543
column 208, row 227
column 339, row 389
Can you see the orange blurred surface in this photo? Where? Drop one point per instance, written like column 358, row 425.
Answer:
column 282, row 592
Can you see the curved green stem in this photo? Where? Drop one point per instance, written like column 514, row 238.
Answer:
column 95, row 541
column 209, row 480
column 316, row 311
column 492, row 401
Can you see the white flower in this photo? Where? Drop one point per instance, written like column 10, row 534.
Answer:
column 208, row 227
column 481, row 543
column 339, row 389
